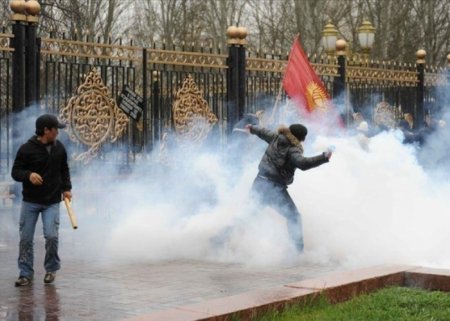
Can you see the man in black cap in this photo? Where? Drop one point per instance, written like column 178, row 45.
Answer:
column 276, row 171
column 41, row 166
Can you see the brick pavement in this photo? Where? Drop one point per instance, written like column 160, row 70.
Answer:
column 101, row 290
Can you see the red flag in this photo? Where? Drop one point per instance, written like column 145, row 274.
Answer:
column 302, row 84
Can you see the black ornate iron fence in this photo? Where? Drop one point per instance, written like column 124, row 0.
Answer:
column 64, row 65
column 164, row 72
column 230, row 84
column 370, row 83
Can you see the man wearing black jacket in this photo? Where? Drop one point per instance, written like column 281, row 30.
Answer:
column 276, row 171
column 41, row 166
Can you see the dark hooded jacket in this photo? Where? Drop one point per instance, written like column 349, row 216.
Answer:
column 283, row 156
column 33, row 156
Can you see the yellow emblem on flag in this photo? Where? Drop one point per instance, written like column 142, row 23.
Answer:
column 316, row 97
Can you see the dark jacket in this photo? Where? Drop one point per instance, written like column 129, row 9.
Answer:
column 53, row 168
column 283, row 156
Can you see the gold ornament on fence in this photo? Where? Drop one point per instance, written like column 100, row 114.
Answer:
column 93, row 117
column 193, row 119
column 384, row 114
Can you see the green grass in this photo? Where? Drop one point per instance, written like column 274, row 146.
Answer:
column 389, row 304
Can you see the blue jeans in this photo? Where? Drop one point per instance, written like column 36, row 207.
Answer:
column 29, row 215
column 276, row 196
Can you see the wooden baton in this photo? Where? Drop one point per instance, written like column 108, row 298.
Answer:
column 73, row 218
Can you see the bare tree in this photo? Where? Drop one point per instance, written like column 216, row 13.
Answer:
column 277, row 21
column 402, row 26
column 82, row 19
column 219, row 15
column 5, row 13
column 174, row 22
column 272, row 22
column 432, row 27
column 312, row 15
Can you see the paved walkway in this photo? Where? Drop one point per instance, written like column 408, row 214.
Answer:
column 89, row 290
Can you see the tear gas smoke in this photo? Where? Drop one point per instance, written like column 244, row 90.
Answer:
column 365, row 207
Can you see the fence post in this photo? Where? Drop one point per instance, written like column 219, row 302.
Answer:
column 420, row 95
column 339, row 94
column 32, row 53
column 145, row 102
column 156, row 107
column 235, row 75
column 18, row 19
column 18, row 57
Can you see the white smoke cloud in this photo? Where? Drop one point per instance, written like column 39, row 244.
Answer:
column 364, row 207
column 375, row 206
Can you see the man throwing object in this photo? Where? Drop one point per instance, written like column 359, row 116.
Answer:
column 276, row 171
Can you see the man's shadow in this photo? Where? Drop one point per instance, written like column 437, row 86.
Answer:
column 51, row 303
column 26, row 304
column 27, row 307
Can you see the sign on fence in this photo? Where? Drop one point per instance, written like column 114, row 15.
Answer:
column 130, row 103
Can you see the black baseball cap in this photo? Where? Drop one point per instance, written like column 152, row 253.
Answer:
column 49, row 121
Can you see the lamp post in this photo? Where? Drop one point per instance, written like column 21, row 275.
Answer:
column 329, row 37
column 366, row 36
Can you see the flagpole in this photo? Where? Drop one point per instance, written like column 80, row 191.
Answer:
column 275, row 107
column 277, row 100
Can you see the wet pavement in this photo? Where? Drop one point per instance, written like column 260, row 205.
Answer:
column 86, row 289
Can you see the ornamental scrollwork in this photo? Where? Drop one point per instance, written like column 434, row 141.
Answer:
column 380, row 76
column 184, row 58
column 192, row 117
column 384, row 115
column 93, row 117
column 279, row 66
column 326, row 69
column 74, row 48
column 266, row 65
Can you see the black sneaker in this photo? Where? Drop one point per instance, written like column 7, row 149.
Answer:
column 23, row 281
column 49, row 277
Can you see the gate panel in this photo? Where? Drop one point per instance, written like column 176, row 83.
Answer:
column 66, row 63
column 167, row 69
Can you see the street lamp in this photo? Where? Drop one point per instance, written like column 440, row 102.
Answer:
column 329, row 37
column 366, row 36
